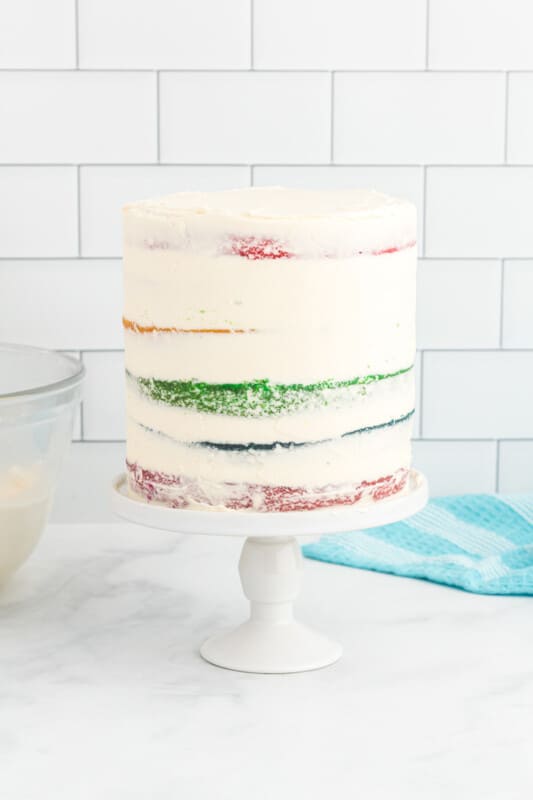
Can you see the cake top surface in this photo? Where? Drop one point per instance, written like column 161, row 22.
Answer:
column 273, row 203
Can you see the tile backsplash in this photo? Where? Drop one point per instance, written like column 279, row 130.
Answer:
column 105, row 101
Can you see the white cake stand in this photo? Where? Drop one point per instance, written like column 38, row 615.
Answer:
column 271, row 641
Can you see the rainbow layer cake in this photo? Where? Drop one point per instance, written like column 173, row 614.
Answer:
column 270, row 340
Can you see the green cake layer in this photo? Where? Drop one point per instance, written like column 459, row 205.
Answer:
column 259, row 398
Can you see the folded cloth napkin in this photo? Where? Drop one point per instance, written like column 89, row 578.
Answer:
column 478, row 542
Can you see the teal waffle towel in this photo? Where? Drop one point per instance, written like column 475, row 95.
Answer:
column 481, row 543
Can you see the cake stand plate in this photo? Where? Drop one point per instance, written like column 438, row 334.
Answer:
column 271, row 641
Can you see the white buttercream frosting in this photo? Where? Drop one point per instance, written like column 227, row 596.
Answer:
column 350, row 460
column 312, row 319
column 306, row 223
column 273, row 202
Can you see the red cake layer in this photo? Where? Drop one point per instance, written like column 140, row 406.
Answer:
column 178, row 491
column 256, row 248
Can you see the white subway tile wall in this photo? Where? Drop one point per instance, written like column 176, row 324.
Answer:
column 480, row 35
column 469, row 318
column 518, row 304
column 339, row 34
column 520, row 132
column 164, row 34
column 418, row 396
column 478, row 395
column 413, row 117
column 64, row 304
column 236, row 117
column 479, row 212
column 104, row 397
column 75, row 116
column 37, row 35
column 106, row 101
column 516, row 459
column 456, row 467
column 38, row 211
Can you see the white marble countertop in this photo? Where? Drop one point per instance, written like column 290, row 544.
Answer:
column 103, row 695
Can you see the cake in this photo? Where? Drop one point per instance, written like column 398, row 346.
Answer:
column 269, row 348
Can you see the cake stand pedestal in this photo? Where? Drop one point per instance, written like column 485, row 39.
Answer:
column 270, row 566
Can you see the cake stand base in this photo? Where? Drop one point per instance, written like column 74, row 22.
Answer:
column 262, row 648
column 271, row 640
column 270, row 566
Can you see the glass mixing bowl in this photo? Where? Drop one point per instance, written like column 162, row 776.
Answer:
column 39, row 394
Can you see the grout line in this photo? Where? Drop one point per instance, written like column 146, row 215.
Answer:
column 158, row 116
column 437, row 440
column 82, row 409
column 502, row 298
column 497, row 477
column 78, row 202
column 424, row 210
column 287, row 164
column 421, row 410
column 470, row 258
column 252, row 34
column 506, row 120
column 476, row 350
column 427, row 37
column 101, row 350
column 332, row 118
column 468, row 439
column 290, row 70
column 103, row 441
column 77, row 33
column 252, row 174
column 484, row 439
